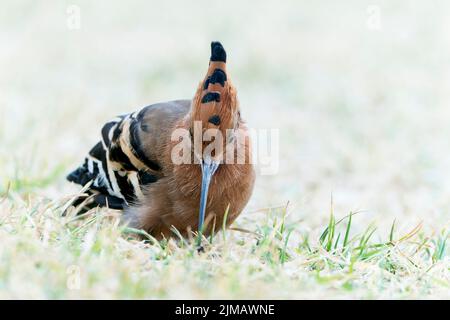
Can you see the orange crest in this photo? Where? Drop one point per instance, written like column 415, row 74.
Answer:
column 215, row 103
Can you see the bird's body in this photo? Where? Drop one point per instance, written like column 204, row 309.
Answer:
column 118, row 165
column 134, row 166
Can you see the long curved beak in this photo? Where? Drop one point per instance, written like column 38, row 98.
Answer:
column 209, row 167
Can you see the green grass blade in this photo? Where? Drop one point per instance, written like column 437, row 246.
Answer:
column 347, row 230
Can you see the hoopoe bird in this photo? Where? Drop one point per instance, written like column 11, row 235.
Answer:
column 136, row 166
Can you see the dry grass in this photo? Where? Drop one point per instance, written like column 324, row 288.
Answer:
column 363, row 115
column 45, row 255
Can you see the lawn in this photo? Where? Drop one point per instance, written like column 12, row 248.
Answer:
column 359, row 206
column 45, row 255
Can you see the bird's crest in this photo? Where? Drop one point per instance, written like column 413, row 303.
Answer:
column 215, row 103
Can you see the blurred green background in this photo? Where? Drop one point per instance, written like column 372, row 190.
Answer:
column 358, row 89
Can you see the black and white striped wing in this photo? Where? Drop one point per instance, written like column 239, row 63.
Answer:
column 115, row 165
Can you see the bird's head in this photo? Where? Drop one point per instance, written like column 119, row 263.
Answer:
column 214, row 118
column 215, row 108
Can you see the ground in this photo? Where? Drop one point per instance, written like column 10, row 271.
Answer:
column 357, row 91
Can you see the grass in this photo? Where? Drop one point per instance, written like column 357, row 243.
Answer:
column 47, row 255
